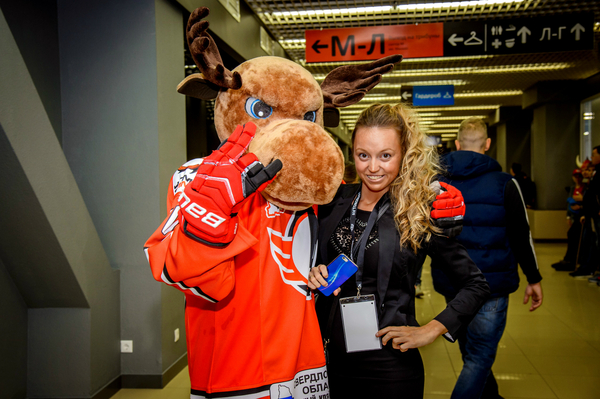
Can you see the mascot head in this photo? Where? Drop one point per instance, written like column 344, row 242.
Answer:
column 289, row 109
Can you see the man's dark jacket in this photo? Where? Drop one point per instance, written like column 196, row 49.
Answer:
column 591, row 198
column 487, row 229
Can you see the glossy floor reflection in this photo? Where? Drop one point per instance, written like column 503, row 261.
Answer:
column 553, row 352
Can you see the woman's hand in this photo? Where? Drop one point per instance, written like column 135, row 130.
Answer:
column 317, row 277
column 405, row 338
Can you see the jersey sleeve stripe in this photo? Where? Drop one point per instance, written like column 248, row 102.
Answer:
column 195, row 290
column 253, row 393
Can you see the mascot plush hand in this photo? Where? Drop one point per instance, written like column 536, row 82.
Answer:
column 241, row 233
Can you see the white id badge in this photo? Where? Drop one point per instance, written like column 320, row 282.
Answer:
column 359, row 318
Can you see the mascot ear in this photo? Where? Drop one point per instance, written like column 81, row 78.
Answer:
column 196, row 86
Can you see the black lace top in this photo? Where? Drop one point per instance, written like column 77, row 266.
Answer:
column 340, row 243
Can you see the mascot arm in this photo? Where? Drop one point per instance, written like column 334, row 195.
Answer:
column 189, row 265
column 448, row 209
column 194, row 268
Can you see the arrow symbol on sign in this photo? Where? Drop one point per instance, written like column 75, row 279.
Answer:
column 453, row 39
column 406, row 95
column 578, row 29
column 316, row 46
column 523, row 32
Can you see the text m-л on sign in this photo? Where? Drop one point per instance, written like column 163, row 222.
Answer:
column 374, row 42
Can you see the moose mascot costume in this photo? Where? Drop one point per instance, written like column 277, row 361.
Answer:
column 241, row 233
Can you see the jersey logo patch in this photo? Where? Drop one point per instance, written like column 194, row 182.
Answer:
column 273, row 210
column 292, row 253
column 185, row 174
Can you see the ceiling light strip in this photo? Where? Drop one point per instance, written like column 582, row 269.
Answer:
column 469, row 70
column 442, row 125
column 451, row 118
column 404, row 61
column 362, row 105
column 398, row 9
column 440, row 131
column 490, row 94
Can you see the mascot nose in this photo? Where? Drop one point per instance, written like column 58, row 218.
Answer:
column 313, row 164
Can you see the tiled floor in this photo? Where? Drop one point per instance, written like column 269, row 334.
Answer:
column 553, row 352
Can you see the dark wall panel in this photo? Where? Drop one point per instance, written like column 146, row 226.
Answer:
column 13, row 336
column 34, row 26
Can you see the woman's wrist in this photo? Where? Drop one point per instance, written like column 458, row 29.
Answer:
column 435, row 328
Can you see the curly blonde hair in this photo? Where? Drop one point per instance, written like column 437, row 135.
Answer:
column 410, row 193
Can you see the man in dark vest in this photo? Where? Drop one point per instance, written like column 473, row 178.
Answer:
column 497, row 237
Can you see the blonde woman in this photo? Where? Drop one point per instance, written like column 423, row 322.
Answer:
column 392, row 208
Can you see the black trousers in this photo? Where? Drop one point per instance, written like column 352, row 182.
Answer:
column 385, row 373
column 343, row 387
column 573, row 237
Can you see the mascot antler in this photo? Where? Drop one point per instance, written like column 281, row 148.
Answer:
column 214, row 76
column 347, row 85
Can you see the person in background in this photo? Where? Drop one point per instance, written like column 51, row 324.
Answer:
column 497, row 237
column 591, row 221
column 525, row 183
column 391, row 209
column 587, row 170
column 350, row 175
column 574, row 235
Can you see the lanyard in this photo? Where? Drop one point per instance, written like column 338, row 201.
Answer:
column 357, row 253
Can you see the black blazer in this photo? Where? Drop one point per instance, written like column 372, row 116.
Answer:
column 398, row 269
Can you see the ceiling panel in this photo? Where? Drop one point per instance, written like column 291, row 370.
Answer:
column 484, row 81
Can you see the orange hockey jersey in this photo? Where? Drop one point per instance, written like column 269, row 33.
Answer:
column 252, row 330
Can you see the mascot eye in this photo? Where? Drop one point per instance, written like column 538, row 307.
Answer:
column 257, row 108
column 310, row 116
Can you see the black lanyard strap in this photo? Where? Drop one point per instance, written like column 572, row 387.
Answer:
column 357, row 252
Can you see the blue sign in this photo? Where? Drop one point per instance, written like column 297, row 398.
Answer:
column 433, row 95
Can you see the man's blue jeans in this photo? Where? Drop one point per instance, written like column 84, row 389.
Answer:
column 478, row 346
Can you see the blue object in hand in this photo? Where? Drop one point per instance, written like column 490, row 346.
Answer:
column 339, row 270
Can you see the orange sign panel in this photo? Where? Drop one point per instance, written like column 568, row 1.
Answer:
column 374, row 42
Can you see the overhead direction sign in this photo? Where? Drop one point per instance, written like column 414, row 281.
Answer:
column 510, row 36
column 374, row 42
column 515, row 36
column 406, row 93
column 433, row 95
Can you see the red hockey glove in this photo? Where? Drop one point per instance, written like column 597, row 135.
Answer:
column 448, row 209
column 224, row 180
